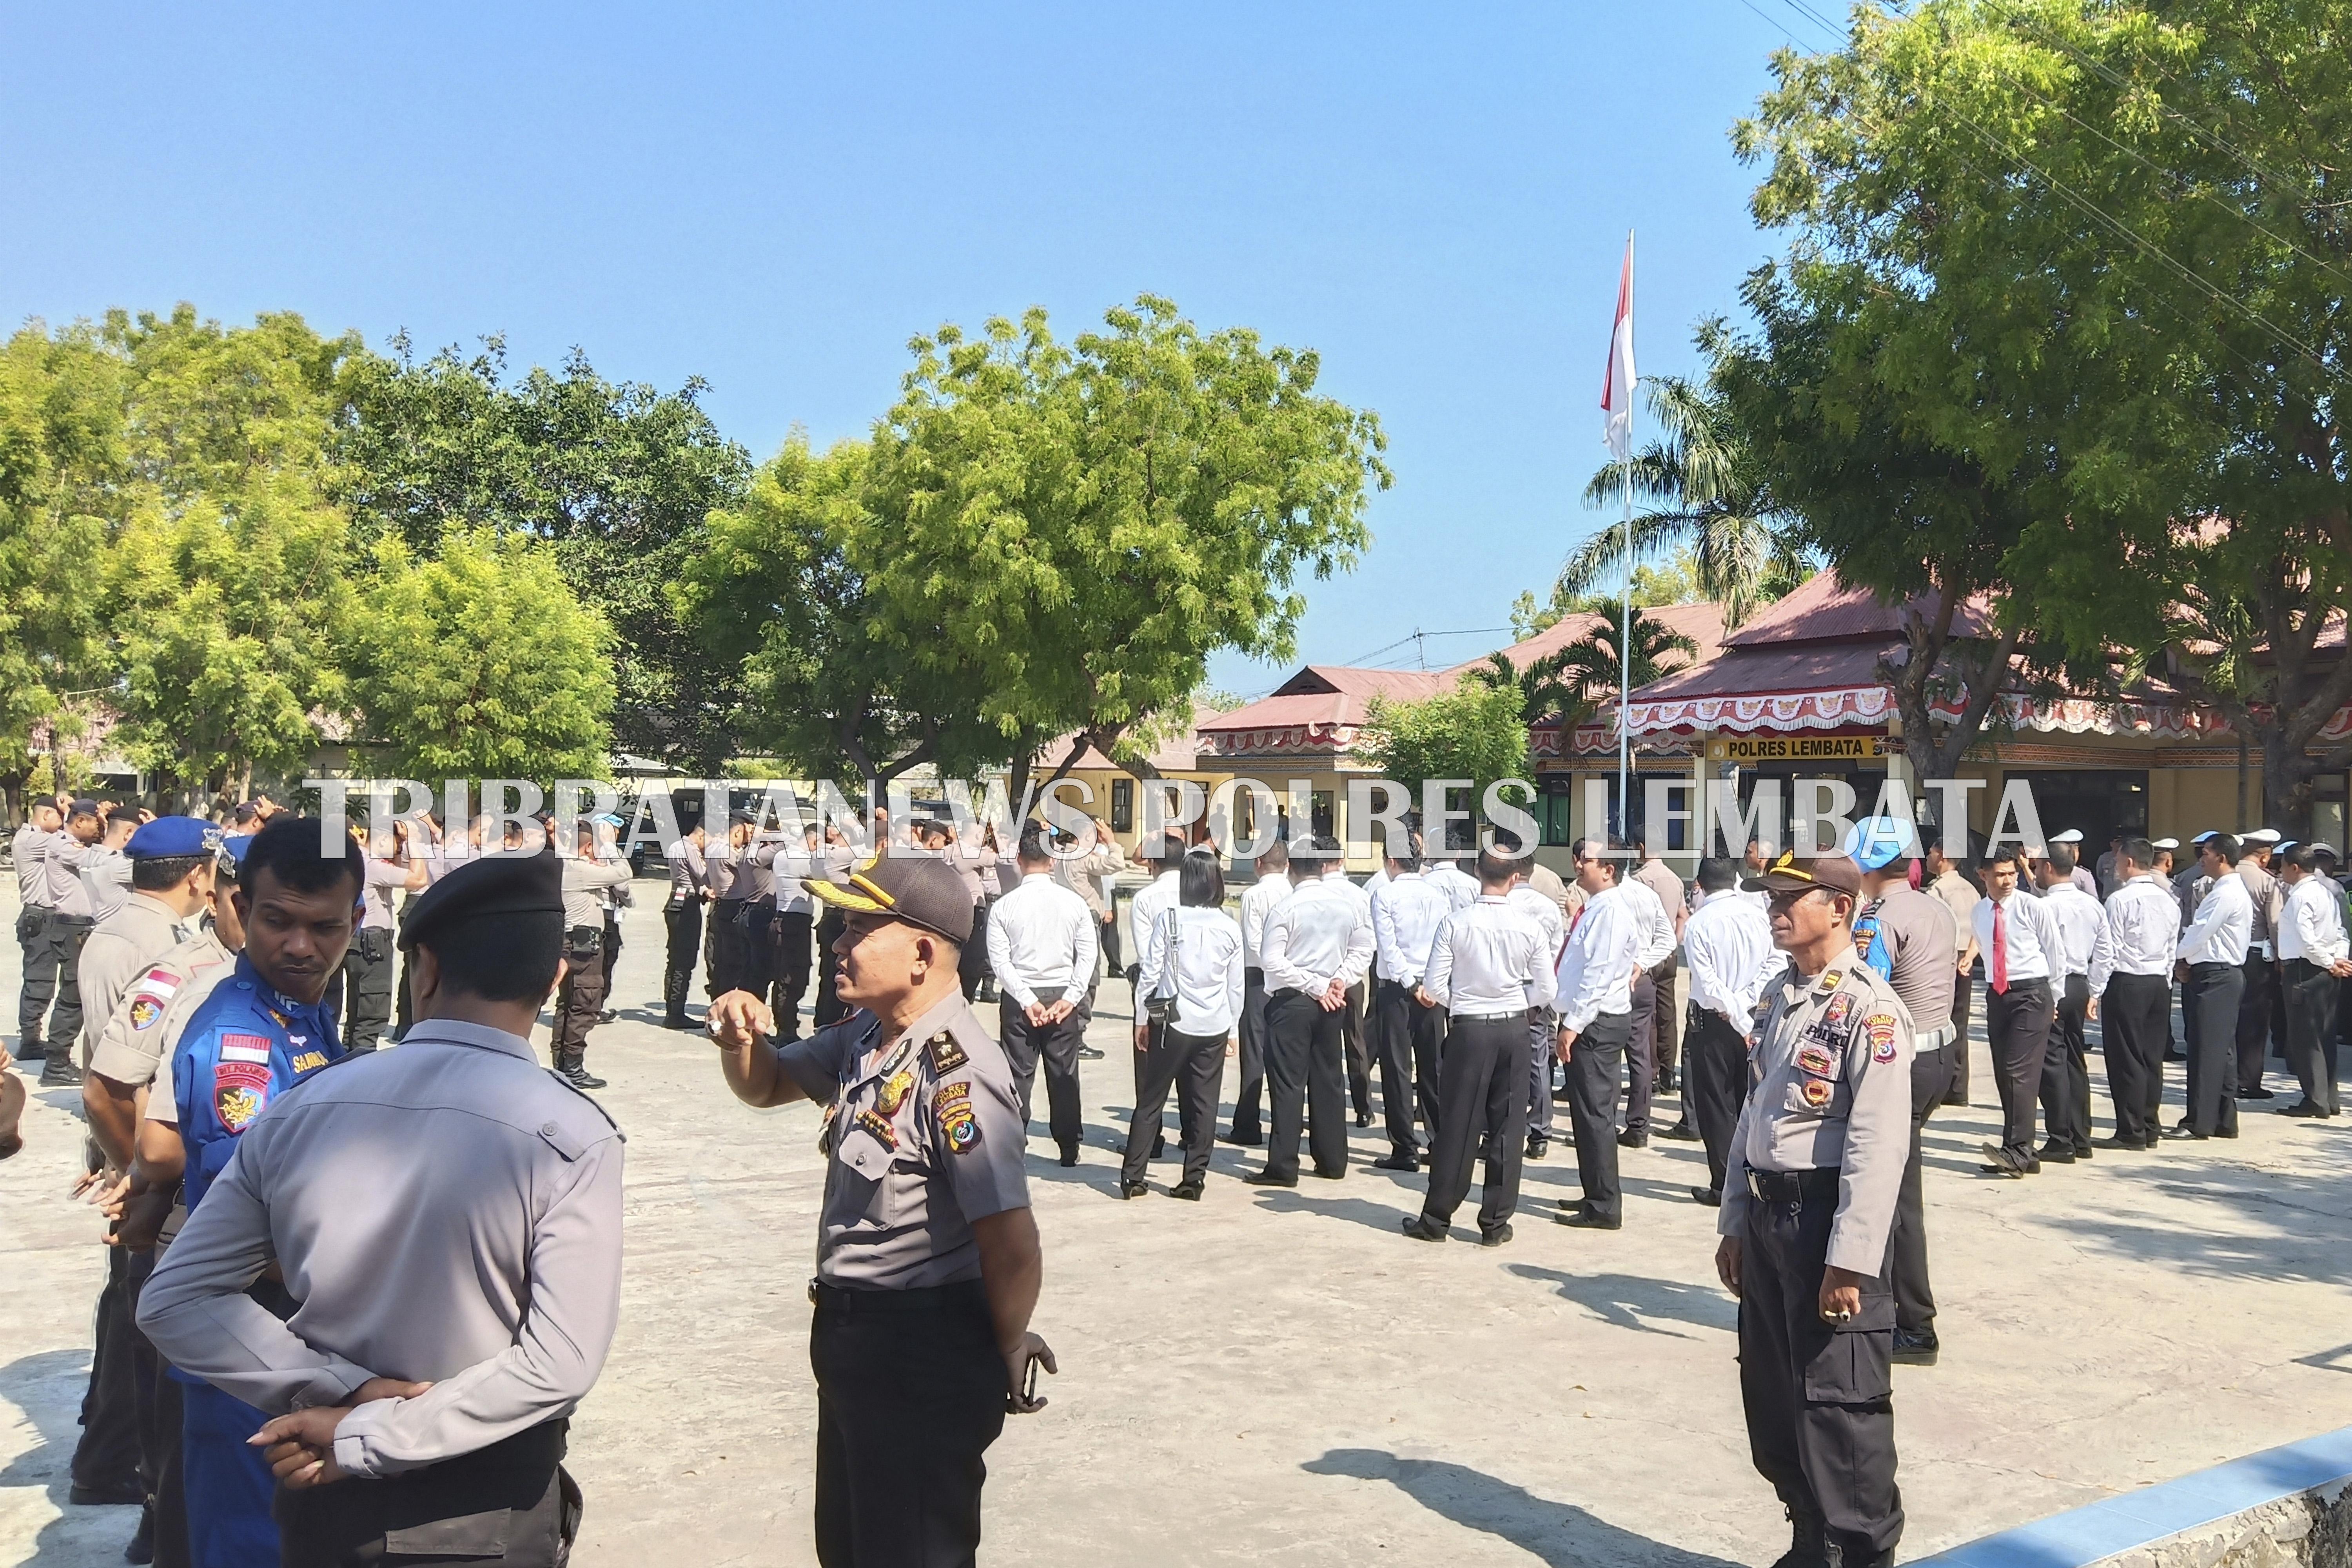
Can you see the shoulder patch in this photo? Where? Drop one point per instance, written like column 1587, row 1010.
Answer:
column 1880, row 1027
column 947, row 1055
column 238, row 1047
column 959, row 1126
column 582, row 1095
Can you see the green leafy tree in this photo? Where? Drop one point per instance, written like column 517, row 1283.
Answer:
column 619, row 476
column 1476, row 731
column 478, row 661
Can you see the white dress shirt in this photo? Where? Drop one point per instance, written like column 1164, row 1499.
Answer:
column 1488, row 959
column 1321, row 932
column 1151, row 900
column 1460, row 888
column 2079, row 920
column 1207, row 969
column 2138, row 934
column 1406, row 913
column 2313, row 928
column 1257, row 902
column 1727, row 949
column 1041, row 937
column 1658, row 937
column 1537, row 907
column 2224, row 925
column 1604, row 947
column 2036, row 951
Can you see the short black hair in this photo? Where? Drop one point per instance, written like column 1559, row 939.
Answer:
column 2227, row 846
column 1715, row 874
column 2304, row 856
column 245, row 813
column 1495, row 868
column 499, row 957
column 289, row 850
column 1201, row 882
column 1170, row 849
column 2061, row 860
column 1033, row 843
column 1407, row 862
column 2006, row 855
column 1274, row 857
column 2139, row 852
column 153, row 873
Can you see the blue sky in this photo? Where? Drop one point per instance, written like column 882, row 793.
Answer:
column 776, row 198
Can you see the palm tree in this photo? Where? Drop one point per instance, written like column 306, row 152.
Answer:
column 1708, row 496
column 1545, row 690
column 1591, row 661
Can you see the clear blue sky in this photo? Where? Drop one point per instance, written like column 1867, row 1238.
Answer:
column 776, row 198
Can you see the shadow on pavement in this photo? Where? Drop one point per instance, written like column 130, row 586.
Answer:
column 1559, row 1535
column 47, row 1388
column 1624, row 1299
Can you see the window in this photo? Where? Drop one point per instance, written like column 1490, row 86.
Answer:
column 1122, row 806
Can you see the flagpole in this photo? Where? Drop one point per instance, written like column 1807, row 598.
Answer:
column 1625, row 612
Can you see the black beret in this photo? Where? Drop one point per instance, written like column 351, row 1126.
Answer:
column 491, row 884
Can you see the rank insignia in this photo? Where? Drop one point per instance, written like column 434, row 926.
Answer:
column 1829, row 982
column 240, row 1093
column 879, row 1128
column 1817, row 1092
column 1881, row 1028
column 947, row 1055
column 893, row 1092
column 959, row 1127
column 283, row 1021
column 949, row 1094
column 1840, row 1005
column 1816, row 1061
column 824, row 1137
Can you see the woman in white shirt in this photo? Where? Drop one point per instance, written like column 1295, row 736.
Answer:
column 1193, row 958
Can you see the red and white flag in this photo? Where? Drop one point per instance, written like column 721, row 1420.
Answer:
column 1617, row 385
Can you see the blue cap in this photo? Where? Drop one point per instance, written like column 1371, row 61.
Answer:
column 1876, row 841
column 236, row 845
column 170, row 835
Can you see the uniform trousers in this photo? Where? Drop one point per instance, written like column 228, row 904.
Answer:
column 1666, row 1021
column 1354, row 1038
column 1820, row 1400
column 829, row 927
column 1595, row 1066
column 1302, row 1072
column 757, row 947
column 41, row 978
column 1717, row 1055
column 66, row 933
column 1906, row 1251
column 909, row 1394
column 162, row 1415
column 106, row 1455
column 581, row 998
column 725, row 961
column 971, row 963
column 2310, row 1026
column 227, row 1484
column 612, row 953
column 1543, row 1035
column 1640, row 1053
column 367, row 988
column 2017, row 1023
column 1964, row 987
column 2066, row 1073
column 1400, row 1022
column 2135, row 1025
column 1249, row 1126
column 792, row 932
column 682, row 920
column 1195, row 1067
column 2255, row 1004
column 2209, row 1013
column 511, row 1503
column 1025, row 1044
column 1486, row 1111
column 403, row 1005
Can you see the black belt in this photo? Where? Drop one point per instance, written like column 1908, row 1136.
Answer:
column 2213, row 968
column 1791, row 1186
column 1521, row 1016
column 961, row 1296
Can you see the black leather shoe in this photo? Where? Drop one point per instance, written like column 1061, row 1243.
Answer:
column 1188, row 1191
column 1421, row 1227
column 2082, row 1151
column 1915, row 1349
column 1629, row 1138
column 1268, row 1179
column 1069, row 1156
column 143, row 1542
column 1133, row 1189
column 58, row 1073
column 1244, row 1140
column 1363, row 1118
column 121, row 1494
column 2056, row 1155
column 1339, row 1174
column 1680, row 1133
column 2174, row 1135
column 1709, row 1197
column 581, row 1077
column 2119, row 1141
column 1667, row 1084
column 2256, row 1094
column 1396, row 1162
column 607, row 1016
column 31, row 1051
column 1810, row 1547
column 2301, row 1108
column 1956, row 1099
column 1497, row 1236
column 1585, row 1219
column 2001, row 1163
column 1537, row 1148
column 680, row 1021
column 1088, row 1054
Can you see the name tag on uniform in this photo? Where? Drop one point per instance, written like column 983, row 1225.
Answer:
column 245, row 1049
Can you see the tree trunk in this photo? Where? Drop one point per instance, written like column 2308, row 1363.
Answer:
column 1983, row 671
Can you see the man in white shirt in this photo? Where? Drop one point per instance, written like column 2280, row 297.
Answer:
column 1317, row 945
column 1486, row 965
column 1728, row 952
column 1409, row 1028
column 2214, row 948
column 1660, row 932
column 1594, row 997
column 2314, row 957
column 1460, row 888
column 1151, row 902
column 2022, row 955
column 2131, row 986
column 1273, row 886
column 2065, row 1070
column 1544, row 910
column 1040, row 946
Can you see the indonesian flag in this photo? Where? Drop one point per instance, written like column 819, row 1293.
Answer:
column 1617, row 384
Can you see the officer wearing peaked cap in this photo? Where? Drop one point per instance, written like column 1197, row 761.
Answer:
column 447, row 1219
column 1809, row 1203
column 927, row 1259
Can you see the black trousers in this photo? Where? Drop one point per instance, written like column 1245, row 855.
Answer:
column 1667, row 1019
column 725, row 947
column 1642, row 1054
column 1543, row 1033
column 1302, row 1072
column 1195, row 1067
column 2017, row 1022
column 2310, row 1029
column 2256, row 1005
column 160, row 1419
column 106, row 1455
column 1056, row 1044
column 1820, row 1400
column 1906, row 1250
column 792, row 932
column 1963, row 988
column 759, row 948
column 580, row 996
column 1400, row 1024
column 40, row 978
column 1595, row 1066
column 367, row 989
column 2209, row 1012
column 2135, row 1025
column 829, row 927
column 971, row 963
column 1485, row 1095
column 909, row 1394
column 682, row 919
column 1354, row 1038
column 2066, row 1073
column 1716, row 1053
column 1248, row 1124
column 403, row 1005
column 66, row 933
column 511, row 1504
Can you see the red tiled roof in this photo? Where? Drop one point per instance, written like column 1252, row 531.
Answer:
column 1822, row 608
column 1702, row 623
column 1329, row 694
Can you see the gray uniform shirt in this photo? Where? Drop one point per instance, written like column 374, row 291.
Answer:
column 1830, row 1089
column 923, row 1136
column 27, row 849
column 448, row 1211
column 113, row 955
column 105, row 879
column 686, row 872
column 2269, row 895
column 61, row 863
column 137, row 1039
column 585, row 881
column 1919, row 933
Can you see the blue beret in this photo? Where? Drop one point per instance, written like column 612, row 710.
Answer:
column 236, row 845
column 170, row 835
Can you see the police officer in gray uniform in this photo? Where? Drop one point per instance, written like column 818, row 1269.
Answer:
column 1808, row 1199
column 449, row 1215
column 927, row 1259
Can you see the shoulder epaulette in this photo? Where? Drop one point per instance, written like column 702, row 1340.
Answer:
column 588, row 1098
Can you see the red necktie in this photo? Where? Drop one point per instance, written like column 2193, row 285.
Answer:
column 1999, row 973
